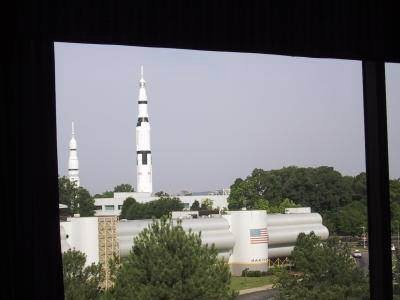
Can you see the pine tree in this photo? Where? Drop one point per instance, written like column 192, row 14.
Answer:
column 322, row 270
column 168, row 263
column 80, row 282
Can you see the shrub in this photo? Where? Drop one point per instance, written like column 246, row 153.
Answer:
column 168, row 263
column 247, row 273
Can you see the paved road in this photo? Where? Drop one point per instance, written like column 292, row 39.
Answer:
column 268, row 294
column 363, row 262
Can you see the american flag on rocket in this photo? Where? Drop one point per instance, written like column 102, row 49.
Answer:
column 258, row 236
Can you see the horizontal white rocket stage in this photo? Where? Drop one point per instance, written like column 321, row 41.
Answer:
column 245, row 239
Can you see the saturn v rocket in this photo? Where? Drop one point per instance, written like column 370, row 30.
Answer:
column 143, row 152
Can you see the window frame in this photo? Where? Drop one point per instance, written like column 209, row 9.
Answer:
column 361, row 30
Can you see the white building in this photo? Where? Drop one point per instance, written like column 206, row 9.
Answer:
column 112, row 206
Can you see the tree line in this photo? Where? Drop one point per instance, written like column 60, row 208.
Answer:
column 79, row 200
column 341, row 200
column 133, row 210
column 121, row 188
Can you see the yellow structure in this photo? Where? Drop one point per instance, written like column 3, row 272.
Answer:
column 108, row 245
column 278, row 262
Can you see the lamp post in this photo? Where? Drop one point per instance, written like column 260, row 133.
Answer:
column 364, row 237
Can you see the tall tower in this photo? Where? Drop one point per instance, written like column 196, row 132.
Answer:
column 73, row 164
column 143, row 152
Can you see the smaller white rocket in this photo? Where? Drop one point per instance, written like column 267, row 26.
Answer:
column 73, row 163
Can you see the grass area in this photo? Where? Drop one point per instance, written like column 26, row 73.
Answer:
column 242, row 283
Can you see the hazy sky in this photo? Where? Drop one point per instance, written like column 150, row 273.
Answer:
column 215, row 116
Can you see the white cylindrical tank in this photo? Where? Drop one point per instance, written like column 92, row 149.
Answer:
column 298, row 210
column 251, row 240
column 126, row 231
column 204, row 224
column 289, row 234
column 284, row 229
column 65, row 246
column 84, row 236
column 221, row 240
column 214, row 231
column 283, row 251
column 293, row 219
column 225, row 255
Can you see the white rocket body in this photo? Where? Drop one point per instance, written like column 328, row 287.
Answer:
column 143, row 150
column 73, row 163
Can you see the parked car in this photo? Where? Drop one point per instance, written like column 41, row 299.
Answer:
column 356, row 254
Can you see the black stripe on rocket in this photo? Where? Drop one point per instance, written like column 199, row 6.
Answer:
column 144, row 154
column 140, row 120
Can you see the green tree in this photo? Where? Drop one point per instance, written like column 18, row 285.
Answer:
column 80, row 282
column 168, row 263
column 133, row 210
column 395, row 190
column 359, row 187
column 395, row 216
column 321, row 270
column 77, row 199
column 330, row 220
column 86, row 207
column 206, row 204
column 286, row 203
column 274, row 208
column 396, row 272
column 106, row 194
column 123, row 188
column 162, row 207
column 195, row 206
column 244, row 193
column 206, row 207
column 351, row 218
column 322, row 188
column 126, row 206
column 161, row 194
column 67, row 193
